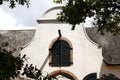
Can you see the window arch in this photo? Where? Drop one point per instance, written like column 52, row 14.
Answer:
column 61, row 53
column 65, row 73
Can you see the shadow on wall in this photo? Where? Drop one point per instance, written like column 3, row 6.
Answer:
column 115, row 70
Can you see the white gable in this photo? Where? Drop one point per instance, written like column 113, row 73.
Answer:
column 51, row 13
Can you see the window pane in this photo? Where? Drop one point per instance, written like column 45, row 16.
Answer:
column 60, row 53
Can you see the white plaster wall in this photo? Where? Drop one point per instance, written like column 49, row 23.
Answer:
column 87, row 58
column 50, row 14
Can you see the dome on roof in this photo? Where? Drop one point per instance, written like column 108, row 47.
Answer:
column 51, row 13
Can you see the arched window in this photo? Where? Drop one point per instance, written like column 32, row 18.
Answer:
column 92, row 76
column 60, row 54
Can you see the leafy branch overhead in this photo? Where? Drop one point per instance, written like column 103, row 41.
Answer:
column 106, row 13
column 14, row 2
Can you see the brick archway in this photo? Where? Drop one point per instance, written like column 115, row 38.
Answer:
column 64, row 72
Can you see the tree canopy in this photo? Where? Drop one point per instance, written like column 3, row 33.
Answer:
column 10, row 65
column 106, row 13
column 14, row 2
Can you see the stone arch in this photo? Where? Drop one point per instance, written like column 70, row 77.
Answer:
column 63, row 72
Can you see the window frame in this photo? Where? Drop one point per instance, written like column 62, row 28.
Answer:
column 71, row 50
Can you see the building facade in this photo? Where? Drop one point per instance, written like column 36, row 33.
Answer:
column 80, row 54
column 65, row 53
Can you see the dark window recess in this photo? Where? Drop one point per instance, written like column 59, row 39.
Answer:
column 92, row 76
column 60, row 53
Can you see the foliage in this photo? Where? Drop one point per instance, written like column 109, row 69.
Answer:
column 108, row 77
column 31, row 71
column 35, row 73
column 10, row 65
column 106, row 14
column 14, row 2
column 57, row 1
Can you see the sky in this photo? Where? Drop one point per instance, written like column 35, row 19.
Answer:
column 21, row 16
